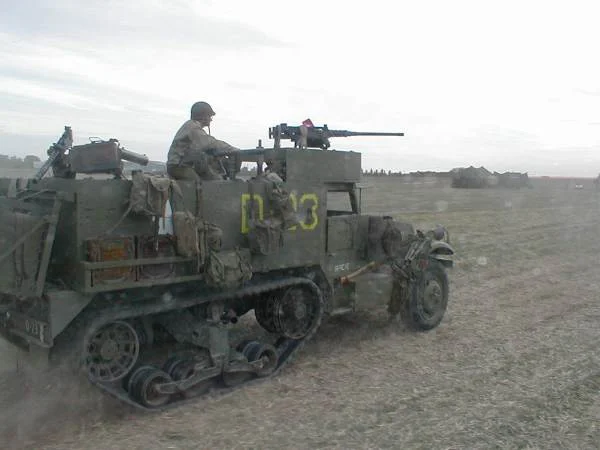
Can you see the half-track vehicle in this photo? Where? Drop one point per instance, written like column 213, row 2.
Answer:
column 160, row 290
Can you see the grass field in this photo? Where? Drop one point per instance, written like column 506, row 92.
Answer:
column 514, row 364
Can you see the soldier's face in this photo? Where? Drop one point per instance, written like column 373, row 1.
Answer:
column 206, row 120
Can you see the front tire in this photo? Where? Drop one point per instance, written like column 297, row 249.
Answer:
column 427, row 299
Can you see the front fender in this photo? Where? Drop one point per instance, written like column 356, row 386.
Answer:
column 443, row 252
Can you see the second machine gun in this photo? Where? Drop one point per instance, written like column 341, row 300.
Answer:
column 99, row 156
column 314, row 137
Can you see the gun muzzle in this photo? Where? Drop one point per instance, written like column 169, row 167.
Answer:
column 134, row 157
column 344, row 133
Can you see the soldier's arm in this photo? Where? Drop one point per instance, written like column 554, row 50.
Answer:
column 219, row 147
column 205, row 142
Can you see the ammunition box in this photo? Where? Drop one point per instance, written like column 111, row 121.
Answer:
column 112, row 249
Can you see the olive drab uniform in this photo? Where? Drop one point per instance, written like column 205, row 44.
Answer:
column 188, row 158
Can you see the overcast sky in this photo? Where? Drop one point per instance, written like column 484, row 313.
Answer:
column 511, row 85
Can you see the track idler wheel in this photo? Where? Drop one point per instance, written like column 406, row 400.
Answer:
column 111, row 351
column 143, row 387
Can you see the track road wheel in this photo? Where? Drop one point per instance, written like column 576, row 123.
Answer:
column 171, row 365
column 143, row 388
column 181, row 369
column 130, row 382
column 232, row 379
column 427, row 300
column 247, row 348
column 126, row 381
column 244, row 345
column 265, row 353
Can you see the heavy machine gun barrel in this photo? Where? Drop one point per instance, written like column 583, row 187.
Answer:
column 346, row 133
column 315, row 137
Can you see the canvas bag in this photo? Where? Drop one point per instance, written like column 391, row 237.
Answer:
column 228, row 269
column 188, row 242
column 149, row 194
column 265, row 237
column 194, row 237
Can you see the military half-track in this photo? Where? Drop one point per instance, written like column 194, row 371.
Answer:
column 162, row 290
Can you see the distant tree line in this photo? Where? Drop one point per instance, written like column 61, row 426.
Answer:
column 380, row 173
column 391, row 173
column 14, row 162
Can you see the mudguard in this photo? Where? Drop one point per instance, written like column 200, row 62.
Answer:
column 443, row 252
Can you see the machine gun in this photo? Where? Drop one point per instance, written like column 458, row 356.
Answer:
column 56, row 153
column 314, row 137
column 101, row 156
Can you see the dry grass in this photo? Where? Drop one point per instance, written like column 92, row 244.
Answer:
column 514, row 364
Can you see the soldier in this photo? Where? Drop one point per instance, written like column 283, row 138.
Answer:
column 194, row 153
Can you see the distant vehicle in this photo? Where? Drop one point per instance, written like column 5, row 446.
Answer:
column 579, row 186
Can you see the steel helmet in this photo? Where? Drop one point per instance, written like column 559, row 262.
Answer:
column 202, row 109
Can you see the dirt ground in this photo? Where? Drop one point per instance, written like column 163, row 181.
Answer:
column 514, row 364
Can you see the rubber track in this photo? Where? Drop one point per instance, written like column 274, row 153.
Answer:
column 286, row 356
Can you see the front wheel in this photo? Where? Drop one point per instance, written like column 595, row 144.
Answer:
column 427, row 298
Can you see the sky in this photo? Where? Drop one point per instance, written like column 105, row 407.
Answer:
column 510, row 85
